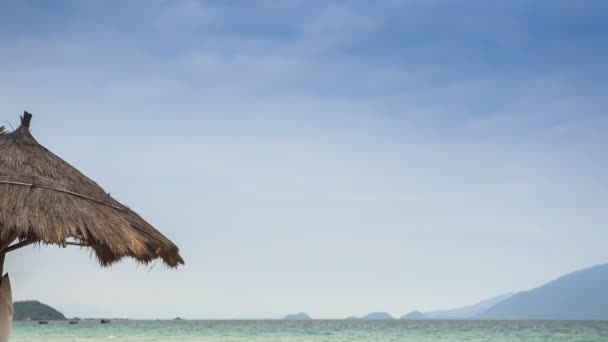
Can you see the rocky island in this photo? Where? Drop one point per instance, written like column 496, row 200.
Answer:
column 33, row 310
column 299, row 316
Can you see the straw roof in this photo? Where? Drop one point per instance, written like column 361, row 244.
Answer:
column 44, row 199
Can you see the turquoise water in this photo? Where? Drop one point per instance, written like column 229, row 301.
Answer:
column 314, row 331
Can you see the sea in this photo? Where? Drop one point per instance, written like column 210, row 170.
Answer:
column 313, row 331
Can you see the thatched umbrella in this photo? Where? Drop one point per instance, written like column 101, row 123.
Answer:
column 45, row 200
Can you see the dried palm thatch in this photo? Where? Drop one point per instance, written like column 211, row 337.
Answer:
column 45, row 200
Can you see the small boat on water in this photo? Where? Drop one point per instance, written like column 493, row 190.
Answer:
column 73, row 322
column 43, row 322
column 105, row 321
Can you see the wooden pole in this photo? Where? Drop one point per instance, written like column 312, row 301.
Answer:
column 3, row 245
column 18, row 245
column 2, row 257
column 25, row 119
column 6, row 315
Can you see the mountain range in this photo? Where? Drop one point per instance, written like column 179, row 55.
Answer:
column 469, row 311
column 581, row 295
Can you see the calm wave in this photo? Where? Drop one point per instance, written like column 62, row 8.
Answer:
column 314, row 331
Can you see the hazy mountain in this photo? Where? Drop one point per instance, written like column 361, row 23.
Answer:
column 468, row 311
column 414, row 315
column 582, row 295
column 298, row 316
column 378, row 316
column 35, row 311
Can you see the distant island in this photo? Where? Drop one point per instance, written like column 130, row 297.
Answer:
column 377, row 316
column 415, row 315
column 33, row 310
column 299, row 317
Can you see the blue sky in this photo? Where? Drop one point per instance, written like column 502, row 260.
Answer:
column 331, row 157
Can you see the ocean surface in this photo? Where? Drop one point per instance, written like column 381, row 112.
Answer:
column 314, row 331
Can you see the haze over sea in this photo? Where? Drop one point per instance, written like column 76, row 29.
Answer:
column 317, row 330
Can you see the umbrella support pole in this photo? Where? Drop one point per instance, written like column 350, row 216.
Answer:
column 6, row 307
column 6, row 316
column 2, row 257
column 6, row 296
column 3, row 245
